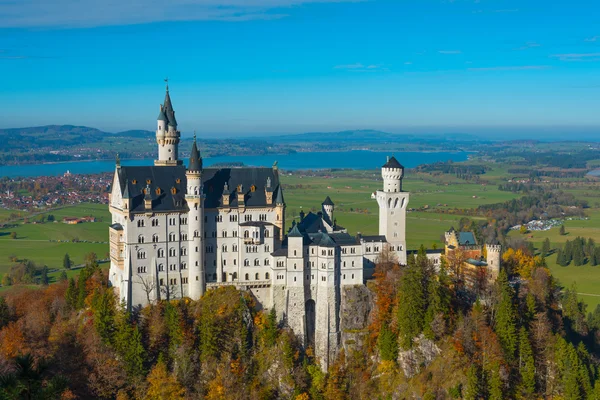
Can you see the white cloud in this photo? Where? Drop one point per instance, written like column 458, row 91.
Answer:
column 577, row 56
column 90, row 13
column 511, row 68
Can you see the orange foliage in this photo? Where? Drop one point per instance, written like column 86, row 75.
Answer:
column 387, row 277
column 521, row 262
column 12, row 341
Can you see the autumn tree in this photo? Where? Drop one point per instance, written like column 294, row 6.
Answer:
column 162, row 385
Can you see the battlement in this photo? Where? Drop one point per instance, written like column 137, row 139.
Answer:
column 495, row 248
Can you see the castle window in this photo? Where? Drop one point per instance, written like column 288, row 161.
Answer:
column 154, row 238
column 141, row 239
column 183, row 251
column 352, row 276
column 344, row 276
column 266, row 233
column 252, row 188
column 178, row 180
column 148, row 181
column 183, row 236
column 234, row 261
column 184, row 280
column 171, row 237
column 224, row 249
column 173, row 190
column 161, row 253
column 247, row 277
column 235, row 247
column 256, row 262
column 183, row 266
column 234, row 276
column 294, row 279
column 246, row 263
column 267, row 276
column 172, row 252
column 196, row 234
column 134, row 181
column 161, row 282
column 344, row 263
column 353, row 263
column 141, row 255
column 140, row 223
column 161, row 267
column 246, row 234
column 266, row 261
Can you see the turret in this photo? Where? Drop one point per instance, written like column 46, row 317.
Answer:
column 167, row 135
column 328, row 207
column 392, row 173
column 494, row 259
column 195, row 202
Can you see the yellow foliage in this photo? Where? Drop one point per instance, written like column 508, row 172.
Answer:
column 303, row 396
column 162, row 385
column 521, row 263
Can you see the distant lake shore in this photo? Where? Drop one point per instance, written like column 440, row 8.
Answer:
column 354, row 159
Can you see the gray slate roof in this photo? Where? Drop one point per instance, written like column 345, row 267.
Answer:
column 165, row 178
column 195, row 159
column 392, row 163
column 466, row 239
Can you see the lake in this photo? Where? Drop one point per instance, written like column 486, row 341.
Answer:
column 356, row 159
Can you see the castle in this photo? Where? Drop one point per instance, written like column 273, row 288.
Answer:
column 177, row 232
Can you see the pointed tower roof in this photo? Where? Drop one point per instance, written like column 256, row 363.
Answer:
column 168, row 109
column 279, row 196
column 392, row 163
column 327, row 202
column 295, row 232
column 161, row 115
column 195, row 158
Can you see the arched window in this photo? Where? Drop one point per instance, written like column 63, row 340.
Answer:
column 154, row 238
column 266, row 233
column 246, row 263
column 141, row 239
column 171, row 237
column 267, row 276
column 256, row 276
column 183, row 251
column 266, row 261
column 389, row 203
column 161, row 267
column 256, row 262
column 161, row 253
column 247, row 277
column 246, row 234
column 224, row 248
column 172, row 252
column 141, row 255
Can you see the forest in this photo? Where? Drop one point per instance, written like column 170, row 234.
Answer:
column 429, row 336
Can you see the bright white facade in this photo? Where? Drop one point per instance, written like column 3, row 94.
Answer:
column 177, row 232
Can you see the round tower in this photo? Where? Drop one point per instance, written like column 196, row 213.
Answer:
column 392, row 173
column 167, row 135
column 494, row 259
column 194, row 199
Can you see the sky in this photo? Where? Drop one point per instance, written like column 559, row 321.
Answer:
column 248, row 67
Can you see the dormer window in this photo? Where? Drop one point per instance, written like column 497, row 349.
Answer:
column 173, row 190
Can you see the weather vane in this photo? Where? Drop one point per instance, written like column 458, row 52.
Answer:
column 194, row 135
column 167, row 82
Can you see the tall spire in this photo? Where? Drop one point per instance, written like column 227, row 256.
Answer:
column 195, row 158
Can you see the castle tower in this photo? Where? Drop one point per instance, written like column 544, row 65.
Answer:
column 194, row 199
column 167, row 135
column 295, row 299
column 328, row 208
column 494, row 259
column 392, row 207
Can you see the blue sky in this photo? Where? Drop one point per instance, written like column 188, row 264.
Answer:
column 240, row 67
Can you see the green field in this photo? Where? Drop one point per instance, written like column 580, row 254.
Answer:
column 47, row 243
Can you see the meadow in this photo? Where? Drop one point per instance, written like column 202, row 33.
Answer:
column 47, row 243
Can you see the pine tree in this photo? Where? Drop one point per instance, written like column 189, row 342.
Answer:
column 506, row 325
column 67, row 261
column 546, row 247
column 473, row 389
column 411, row 304
column 562, row 231
column 4, row 313
column 526, row 365
column 270, row 330
column 135, row 353
column 578, row 256
column 71, row 294
column 560, row 258
column 438, row 302
column 387, row 342
column 103, row 307
column 495, row 383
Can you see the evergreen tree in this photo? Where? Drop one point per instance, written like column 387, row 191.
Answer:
column 473, row 388
column 173, row 323
column 135, row 353
column 411, row 303
column 505, row 321
column 81, row 288
column 561, row 259
column 67, row 261
column 44, row 280
column 387, row 342
column 546, row 247
column 71, row 294
column 4, row 313
column 63, row 276
column 597, row 255
column 526, row 365
column 270, row 330
column 578, row 256
column 438, row 301
column 103, row 307
column 562, row 231
column 495, row 383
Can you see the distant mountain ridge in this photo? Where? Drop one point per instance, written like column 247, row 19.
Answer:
column 58, row 136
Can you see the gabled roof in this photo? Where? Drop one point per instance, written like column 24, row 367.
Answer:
column 169, row 179
column 392, row 163
column 294, row 232
column 214, row 180
column 466, row 239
